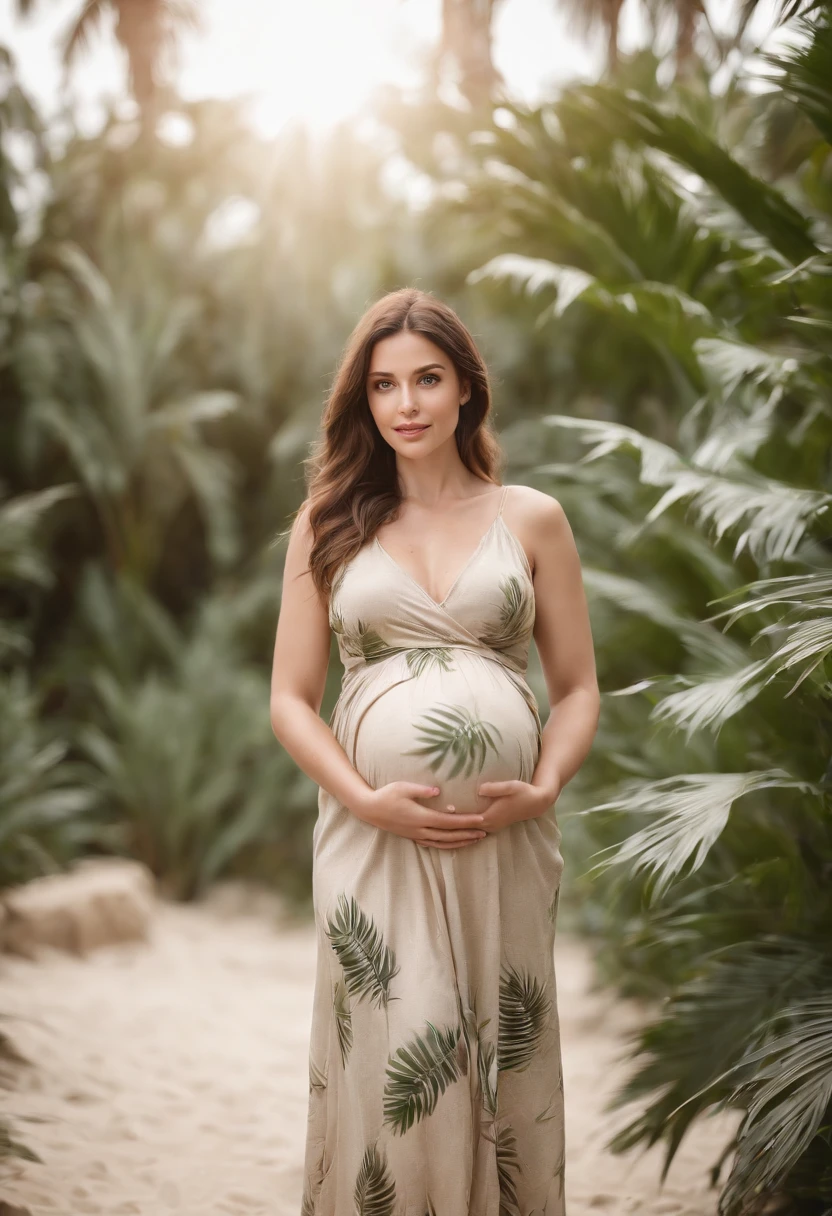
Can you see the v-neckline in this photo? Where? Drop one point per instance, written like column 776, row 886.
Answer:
column 441, row 603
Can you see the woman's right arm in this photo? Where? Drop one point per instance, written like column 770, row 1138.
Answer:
column 301, row 659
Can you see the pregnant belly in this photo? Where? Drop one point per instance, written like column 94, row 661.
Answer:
column 450, row 728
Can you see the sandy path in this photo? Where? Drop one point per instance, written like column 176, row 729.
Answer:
column 172, row 1077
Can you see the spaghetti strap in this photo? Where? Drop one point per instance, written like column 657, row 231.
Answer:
column 502, row 501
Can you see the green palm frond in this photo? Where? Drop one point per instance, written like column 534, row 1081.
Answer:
column 524, row 1018
column 772, row 518
column 708, row 703
column 661, row 313
column 728, row 362
column 727, row 1004
column 343, row 1019
column 791, row 591
column 807, row 67
column 635, row 596
column 517, row 614
column 369, row 965
column 693, row 810
column 420, row 1072
column 455, row 732
column 422, row 658
column 787, row 1092
column 667, row 129
column 21, row 557
column 375, row 1189
column 660, row 464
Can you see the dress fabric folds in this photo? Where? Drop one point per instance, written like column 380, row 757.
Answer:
column 435, row 1080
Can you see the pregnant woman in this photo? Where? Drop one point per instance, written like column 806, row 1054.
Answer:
column 435, row 1082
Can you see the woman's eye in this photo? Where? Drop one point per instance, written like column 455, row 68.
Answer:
column 430, row 376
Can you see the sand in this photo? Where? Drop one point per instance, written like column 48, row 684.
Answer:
column 171, row 1076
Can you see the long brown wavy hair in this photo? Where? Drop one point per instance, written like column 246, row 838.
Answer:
column 352, row 487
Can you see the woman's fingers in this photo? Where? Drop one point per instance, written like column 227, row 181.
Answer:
column 451, row 837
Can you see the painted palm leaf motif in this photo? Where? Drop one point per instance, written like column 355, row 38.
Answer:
column 552, row 1111
column 487, row 1058
column 524, row 1014
column 313, row 1185
column 317, row 1079
column 552, row 910
column 375, row 1190
column 420, row 1072
column 420, row 658
column 505, row 1143
column 368, row 964
column 343, row 1019
column 560, row 1172
column 455, row 733
column 362, row 641
column 486, row 1054
column 517, row 613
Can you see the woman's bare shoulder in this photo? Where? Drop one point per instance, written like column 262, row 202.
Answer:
column 535, row 510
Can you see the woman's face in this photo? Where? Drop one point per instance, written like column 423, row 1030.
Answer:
column 413, row 383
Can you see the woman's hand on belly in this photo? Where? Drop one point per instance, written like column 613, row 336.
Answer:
column 393, row 807
column 513, row 801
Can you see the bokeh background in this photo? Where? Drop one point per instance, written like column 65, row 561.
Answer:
column 631, row 207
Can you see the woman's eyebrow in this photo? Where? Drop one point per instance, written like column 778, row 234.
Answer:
column 417, row 371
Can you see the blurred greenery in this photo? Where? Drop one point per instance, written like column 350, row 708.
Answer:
column 647, row 266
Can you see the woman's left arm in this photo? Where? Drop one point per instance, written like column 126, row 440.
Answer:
column 564, row 642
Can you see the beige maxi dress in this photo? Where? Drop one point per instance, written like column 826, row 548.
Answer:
column 435, row 1082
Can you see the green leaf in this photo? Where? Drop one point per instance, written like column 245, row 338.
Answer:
column 375, row 1189
column 524, row 1018
column 369, row 965
column 420, row 1072
column 454, row 732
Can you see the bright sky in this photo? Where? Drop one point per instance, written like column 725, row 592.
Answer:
column 319, row 59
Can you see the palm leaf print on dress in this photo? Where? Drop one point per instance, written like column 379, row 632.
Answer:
column 552, row 910
column 505, row 1144
column 420, row 658
column 343, row 1019
column 455, row 732
column 375, row 1190
column 524, row 1013
column 317, row 1079
column 516, row 615
column 419, row 1072
column 362, row 641
column 368, row 964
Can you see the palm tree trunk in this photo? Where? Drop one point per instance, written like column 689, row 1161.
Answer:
column 466, row 39
column 612, row 12
column 687, row 12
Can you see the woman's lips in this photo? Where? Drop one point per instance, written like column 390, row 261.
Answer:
column 411, row 432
